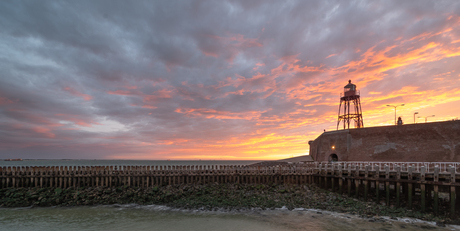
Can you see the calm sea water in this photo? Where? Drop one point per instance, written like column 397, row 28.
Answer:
column 136, row 217
column 124, row 162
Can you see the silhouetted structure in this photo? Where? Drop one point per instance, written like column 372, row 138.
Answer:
column 400, row 122
column 350, row 96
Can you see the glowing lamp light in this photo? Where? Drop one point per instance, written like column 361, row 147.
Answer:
column 333, row 147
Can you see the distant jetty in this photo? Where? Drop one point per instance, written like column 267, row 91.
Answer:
column 19, row 159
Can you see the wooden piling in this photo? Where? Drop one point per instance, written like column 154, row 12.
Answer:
column 452, row 190
column 356, row 181
column 422, row 188
column 436, row 190
column 332, row 179
column 398, row 186
column 365, row 182
column 377, row 183
column 349, row 179
column 340, row 179
column 409, row 186
column 387, row 185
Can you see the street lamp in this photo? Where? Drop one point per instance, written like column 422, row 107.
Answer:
column 426, row 117
column 414, row 116
column 395, row 106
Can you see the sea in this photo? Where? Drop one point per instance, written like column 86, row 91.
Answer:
column 159, row 217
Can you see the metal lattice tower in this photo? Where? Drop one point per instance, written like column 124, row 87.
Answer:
column 350, row 98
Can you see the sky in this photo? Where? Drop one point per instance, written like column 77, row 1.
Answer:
column 215, row 80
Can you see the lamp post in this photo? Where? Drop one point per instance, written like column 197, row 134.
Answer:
column 414, row 116
column 395, row 106
column 426, row 117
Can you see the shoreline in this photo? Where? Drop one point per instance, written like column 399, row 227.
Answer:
column 272, row 219
column 213, row 197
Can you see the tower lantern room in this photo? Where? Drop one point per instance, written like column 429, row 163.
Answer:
column 351, row 102
column 349, row 89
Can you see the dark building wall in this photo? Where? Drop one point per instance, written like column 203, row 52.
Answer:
column 425, row 142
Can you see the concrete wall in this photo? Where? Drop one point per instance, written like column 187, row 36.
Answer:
column 425, row 142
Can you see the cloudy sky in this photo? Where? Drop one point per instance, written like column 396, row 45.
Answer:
column 215, row 79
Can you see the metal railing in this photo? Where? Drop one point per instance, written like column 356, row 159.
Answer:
column 443, row 166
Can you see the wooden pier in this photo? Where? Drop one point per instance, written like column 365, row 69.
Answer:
column 395, row 182
column 399, row 184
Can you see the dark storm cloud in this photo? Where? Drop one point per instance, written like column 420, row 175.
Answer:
column 153, row 78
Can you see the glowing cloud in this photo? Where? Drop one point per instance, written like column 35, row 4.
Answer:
column 220, row 80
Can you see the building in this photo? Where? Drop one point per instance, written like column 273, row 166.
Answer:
column 424, row 142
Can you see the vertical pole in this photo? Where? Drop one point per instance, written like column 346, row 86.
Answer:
column 41, row 177
column 377, row 184
column 8, row 178
column 356, row 181
column 14, row 177
column 110, row 176
column 349, row 180
column 398, row 186
column 73, row 176
column 409, row 186
column 422, row 188
column 325, row 179
column 348, row 115
column 452, row 190
column 387, row 184
column 324, row 175
column 436, row 189
column 97, row 179
column 128, row 173
column 332, row 177
column 338, row 119
column 64, row 169
column 360, row 112
column 319, row 175
column 366, row 182
column 56, row 176
column 333, row 183
column 340, row 179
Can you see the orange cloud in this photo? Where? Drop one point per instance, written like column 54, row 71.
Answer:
column 161, row 94
column 215, row 114
column 149, row 106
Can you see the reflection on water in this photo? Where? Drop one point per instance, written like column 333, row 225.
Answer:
column 136, row 217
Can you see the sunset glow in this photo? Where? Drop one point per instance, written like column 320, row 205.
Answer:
column 216, row 80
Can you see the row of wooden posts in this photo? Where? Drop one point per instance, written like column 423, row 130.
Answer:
column 400, row 183
column 396, row 185
column 148, row 176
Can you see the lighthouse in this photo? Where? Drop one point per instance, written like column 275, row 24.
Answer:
column 352, row 112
